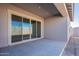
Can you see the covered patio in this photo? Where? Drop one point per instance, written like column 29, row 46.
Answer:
column 34, row 29
column 42, row 47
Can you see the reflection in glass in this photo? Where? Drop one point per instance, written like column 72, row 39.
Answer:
column 33, row 35
column 23, row 28
column 26, row 28
column 38, row 29
column 16, row 28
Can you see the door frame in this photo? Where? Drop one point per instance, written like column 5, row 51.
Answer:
column 10, row 12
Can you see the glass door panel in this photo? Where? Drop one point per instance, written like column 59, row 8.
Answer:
column 23, row 28
column 16, row 28
column 38, row 29
column 33, row 34
column 26, row 29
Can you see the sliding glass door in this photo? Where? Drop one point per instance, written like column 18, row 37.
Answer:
column 33, row 35
column 16, row 28
column 38, row 29
column 24, row 29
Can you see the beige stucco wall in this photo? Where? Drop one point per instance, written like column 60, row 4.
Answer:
column 4, row 21
column 56, row 28
column 3, row 26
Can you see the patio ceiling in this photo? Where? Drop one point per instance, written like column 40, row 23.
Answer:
column 44, row 10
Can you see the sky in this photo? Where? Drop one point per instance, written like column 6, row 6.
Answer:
column 76, row 16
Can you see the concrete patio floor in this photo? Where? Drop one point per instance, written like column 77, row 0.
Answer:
column 42, row 47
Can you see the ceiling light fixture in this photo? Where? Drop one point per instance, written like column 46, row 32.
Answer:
column 39, row 7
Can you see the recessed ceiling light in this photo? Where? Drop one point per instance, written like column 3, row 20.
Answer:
column 47, row 13
column 39, row 7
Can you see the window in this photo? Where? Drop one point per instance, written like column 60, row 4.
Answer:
column 33, row 35
column 25, row 29
column 38, row 29
column 16, row 28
